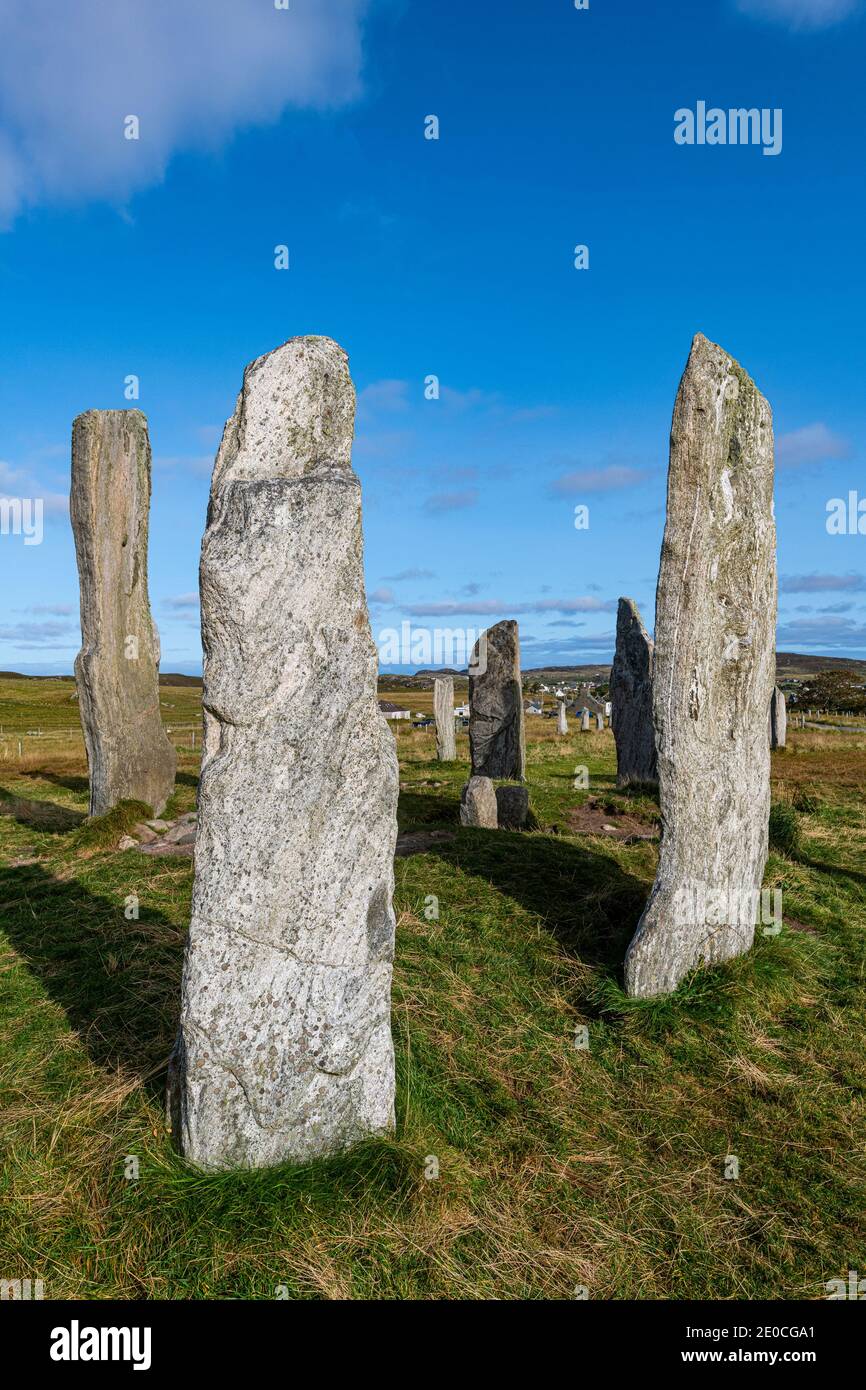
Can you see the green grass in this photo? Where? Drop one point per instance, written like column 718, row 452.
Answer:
column 558, row 1166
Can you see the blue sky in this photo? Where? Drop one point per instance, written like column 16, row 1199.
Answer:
column 305, row 127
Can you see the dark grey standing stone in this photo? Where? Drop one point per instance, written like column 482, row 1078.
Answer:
column 713, row 676
column 512, row 805
column 117, row 670
column 478, row 803
column 496, row 735
column 443, row 711
column 631, row 699
column 778, row 719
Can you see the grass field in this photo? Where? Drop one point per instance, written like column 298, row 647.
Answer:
column 558, row 1166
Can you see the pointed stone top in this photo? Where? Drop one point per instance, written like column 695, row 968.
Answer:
column 117, row 416
column 295, row 414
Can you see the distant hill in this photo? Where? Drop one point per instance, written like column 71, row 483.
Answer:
column 175, row 678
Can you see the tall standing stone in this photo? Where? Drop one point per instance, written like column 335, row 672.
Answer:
column 284, row 1050
column 496, row 735
column 117, row 669
column 631, row 699
column 713, row 676
column 443, row 712
column 561, row 720
column 778, row 719
column 584, row 722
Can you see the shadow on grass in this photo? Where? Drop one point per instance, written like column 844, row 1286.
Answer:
column 69, row 780
column 586, row 900
column 415, row 809
column 39, row 815
column 117, row 980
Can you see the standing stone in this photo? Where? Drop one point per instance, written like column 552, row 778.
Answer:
column 443, row 710
column 117, row 670
column 713, row 676
column 631, row 699
column 778, row 719
column 584, row 722
column 496, row 736
column 284, row 1050
column 561, row 721
column 512, row 807
column 478, row 803
column 599, row 723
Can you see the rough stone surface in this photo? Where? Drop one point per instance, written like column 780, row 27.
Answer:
column 496, row 732
column 284, row 1050
column 443, row 711
column 778, row 719
column 584, row 722
column 631, row 699
column 561, row 720
column 512, row 806
column 713, row 676
column 117, row 670
column 478, row 804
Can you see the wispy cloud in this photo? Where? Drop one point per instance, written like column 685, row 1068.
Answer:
column 70, row 74
column 408, row 574
column 815, row 443
column 586, row 480
column 450, row 502
column 821, row 583
column 823, row 634
column 180, row 603
column 492, row 607
column 800, row 14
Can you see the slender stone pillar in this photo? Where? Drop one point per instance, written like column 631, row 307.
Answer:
column 284, row 1050
column 496, row 735
column 713, row 676
column 631, row 699
column 561, row 720
column 778, row 719
column 443, row 711
column 117, row 670
column 584, row 722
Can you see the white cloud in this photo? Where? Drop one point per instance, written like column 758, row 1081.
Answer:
column 609, row 479
column 800, row 14
column 17, row 482
column 821, row 583
column 192, row 71
column 812, row 444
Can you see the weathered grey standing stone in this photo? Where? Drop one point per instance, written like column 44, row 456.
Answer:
column 443, row 711
column 561, row 720
column 713, row 676
column 496, row 735
column 631, row 699
column 512, row 807
column 584, row 722
column 478, row 803
column 284, row 1050
column 117, row 670
column 599, row 723
column 778, row 719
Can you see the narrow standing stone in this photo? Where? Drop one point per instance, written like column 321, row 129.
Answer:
column 599, row 723
column 496, row 736
column 713, row 676
column 284, row 1050
column 443, row 710
column 561, row 720
column 584, row 722
column 778, row 719
column 631, row 699
column 117, row 670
